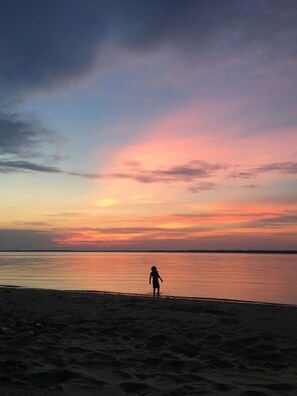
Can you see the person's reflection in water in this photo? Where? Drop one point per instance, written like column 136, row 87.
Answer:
column 155, row 276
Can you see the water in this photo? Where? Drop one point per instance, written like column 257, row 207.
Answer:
column 238, row 276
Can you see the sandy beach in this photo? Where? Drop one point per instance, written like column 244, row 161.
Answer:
column 76, row 343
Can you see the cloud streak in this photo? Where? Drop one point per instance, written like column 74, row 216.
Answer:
column 233, row 226
column 206, row 186
column 287, row 168
column 182, row 173
column 24, row 166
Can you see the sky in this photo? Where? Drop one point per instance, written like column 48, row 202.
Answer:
column 136, row 124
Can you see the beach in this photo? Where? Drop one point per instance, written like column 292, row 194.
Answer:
column 83, row 343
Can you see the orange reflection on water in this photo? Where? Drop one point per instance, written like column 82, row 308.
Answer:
column 252, row 277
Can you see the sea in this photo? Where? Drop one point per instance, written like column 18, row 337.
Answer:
column 255, row 277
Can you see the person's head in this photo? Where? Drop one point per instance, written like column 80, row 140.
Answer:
column 154, row 268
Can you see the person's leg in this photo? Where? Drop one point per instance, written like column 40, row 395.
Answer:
column 158, row 289
column 154, row 292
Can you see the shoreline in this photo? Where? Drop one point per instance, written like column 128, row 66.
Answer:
column 162, row 296
column 88, row 343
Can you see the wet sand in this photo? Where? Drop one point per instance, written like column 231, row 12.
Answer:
column 75, row 343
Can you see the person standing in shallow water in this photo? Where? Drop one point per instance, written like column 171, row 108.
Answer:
column 155, row 276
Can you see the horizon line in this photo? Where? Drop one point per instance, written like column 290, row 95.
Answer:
column 151, row 251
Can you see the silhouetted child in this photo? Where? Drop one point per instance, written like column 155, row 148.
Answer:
column 155, row 275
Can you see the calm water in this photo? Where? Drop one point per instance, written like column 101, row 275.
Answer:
column 253, row 277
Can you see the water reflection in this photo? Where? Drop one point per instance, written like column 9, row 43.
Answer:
column 253, row 277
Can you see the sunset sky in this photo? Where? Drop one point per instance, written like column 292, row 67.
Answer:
column 148, row 124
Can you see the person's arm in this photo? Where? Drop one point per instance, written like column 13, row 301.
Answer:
column 150, row 278
column 160, row 278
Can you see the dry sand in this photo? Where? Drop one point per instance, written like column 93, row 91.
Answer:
column 74, row 343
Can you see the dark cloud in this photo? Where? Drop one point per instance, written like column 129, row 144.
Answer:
column 85, row 175
column 279, row 167
column 289, row 167
column 11, row 239
column 24, row 166
column 202, row 187
column 10, row 166
column 21, row 135
column 44, row 43
column 241, row 175
column 195, row 170
column 185, row 173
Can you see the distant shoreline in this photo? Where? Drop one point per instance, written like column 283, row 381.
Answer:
column 150, row 251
